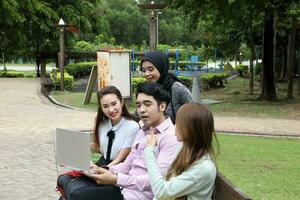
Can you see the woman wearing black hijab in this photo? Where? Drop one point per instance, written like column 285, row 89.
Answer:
column 155, row 65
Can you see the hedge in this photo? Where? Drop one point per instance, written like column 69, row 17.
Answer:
column 181, row 64
column 80, row 69
column 207, row 81
column 15, row 74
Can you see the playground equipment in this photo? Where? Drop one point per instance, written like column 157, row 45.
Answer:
column 191, row 62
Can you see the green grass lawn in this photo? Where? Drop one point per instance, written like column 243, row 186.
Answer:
column 263, row 168
column 236, row 101
column 75, row 99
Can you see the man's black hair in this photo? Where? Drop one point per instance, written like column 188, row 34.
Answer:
column 155, row 90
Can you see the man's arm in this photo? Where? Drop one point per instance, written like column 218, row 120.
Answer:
column 123, row 167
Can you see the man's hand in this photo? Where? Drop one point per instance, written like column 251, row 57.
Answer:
column 151, row 138
column 103, row 176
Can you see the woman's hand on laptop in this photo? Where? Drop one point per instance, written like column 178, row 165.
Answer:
column 103, row 176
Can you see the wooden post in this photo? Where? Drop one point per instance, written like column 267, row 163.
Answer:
column 90, row 86
column 152, row 29
column 153, row 7
column 62, row 56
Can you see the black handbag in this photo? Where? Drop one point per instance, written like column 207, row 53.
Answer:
column 85, row 188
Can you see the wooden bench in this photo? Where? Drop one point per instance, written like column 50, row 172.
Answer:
column 46, row 85
column 225, row 190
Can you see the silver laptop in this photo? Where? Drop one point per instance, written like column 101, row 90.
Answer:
column 73, row 149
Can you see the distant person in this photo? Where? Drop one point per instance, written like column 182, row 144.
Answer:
column 155, row 65
column 132, row 175
column 113, row 118
column 193, row 172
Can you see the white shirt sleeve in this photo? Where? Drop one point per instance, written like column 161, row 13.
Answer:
column 130, row 135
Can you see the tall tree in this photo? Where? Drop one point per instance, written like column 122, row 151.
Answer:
column 298, row 81
column 291, row 55
column 268, row 89
column 293, row 11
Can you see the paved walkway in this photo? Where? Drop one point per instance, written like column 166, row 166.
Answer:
column 27, row 124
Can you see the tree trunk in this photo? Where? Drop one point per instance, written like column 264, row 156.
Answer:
column 256, row 58
column 275, row 41
column 298, row 74
column 43, row 68
column 298, row 82
column 251, row 77
column 3, row 60
column 236, row 55
column 284, row 62
column 268, row 90
column 280, row 66
column 291, row 54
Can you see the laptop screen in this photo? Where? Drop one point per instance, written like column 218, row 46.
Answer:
column 73, row 149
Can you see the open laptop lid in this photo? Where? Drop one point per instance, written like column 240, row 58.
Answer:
column 73, row 149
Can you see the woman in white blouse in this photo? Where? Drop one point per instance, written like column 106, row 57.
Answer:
column 113, row 116
column 192, row 174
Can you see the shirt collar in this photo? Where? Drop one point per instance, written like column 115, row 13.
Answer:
column 117, row 126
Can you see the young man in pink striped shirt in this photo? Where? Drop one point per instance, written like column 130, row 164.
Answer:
column 131, row 175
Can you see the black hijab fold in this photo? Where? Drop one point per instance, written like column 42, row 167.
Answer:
column 161, row 62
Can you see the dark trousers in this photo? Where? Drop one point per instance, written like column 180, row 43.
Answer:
column 85, row 188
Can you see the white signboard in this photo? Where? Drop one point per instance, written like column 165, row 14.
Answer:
column 114, row 69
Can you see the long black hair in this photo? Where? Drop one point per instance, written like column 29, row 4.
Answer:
column 100, row 114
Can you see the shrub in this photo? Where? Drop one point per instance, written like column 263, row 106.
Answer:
column 68, row 81
column 228, row 67
column 80, row 69
column 135, row 82
column 212, row 80
column 242, row 69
